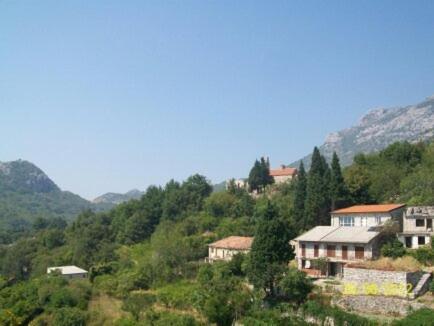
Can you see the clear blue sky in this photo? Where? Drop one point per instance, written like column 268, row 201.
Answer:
column 113, row 95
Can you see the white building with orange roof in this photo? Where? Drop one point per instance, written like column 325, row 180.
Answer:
column 226, row 248
column 283, row 174
column 354, row 235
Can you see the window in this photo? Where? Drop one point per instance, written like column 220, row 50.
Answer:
column 315, row 250
column 420, row 241
column 378, row 220
column 363, row 221
column 303, row 250
column 420, row 222
column 331, row 251
column 346, row 221
column 360, row 252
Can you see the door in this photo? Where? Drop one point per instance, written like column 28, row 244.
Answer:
column 315, row 250
column 344, row 252
column 332, row 269
column 303, row 250
column 429, row 223
column 408, row 242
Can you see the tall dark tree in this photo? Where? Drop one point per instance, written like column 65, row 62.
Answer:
column 300, row 195
column 338, row 190
column 255, row 179
column 270, row 250
column 317, row 205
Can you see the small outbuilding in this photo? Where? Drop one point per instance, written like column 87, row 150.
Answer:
column 68, row 271
column 225, row 248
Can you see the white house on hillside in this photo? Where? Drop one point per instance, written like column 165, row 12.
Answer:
column 354, row 235
column 225, row 248
column 283, row 174
column 366, row 215
column 68, row 271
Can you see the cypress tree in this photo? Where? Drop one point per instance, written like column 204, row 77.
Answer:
column 338, row 189
column 270, row 250
column 255, row 176
column 300, row 195
column 317, row 205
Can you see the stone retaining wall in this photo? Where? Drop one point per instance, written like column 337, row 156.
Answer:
column 359, row 281
column 378, row 305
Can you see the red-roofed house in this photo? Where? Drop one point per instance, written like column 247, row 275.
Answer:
column 283, row 174
column 352, row 236
column 366, row 215
column 225, row 248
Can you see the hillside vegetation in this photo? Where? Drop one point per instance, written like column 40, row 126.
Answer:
column 27, row 193
column 146, row 256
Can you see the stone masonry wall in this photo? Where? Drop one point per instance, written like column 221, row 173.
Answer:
column 358, row 281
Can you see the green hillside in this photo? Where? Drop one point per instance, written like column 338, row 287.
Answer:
column 146, row 257
column 27, row 193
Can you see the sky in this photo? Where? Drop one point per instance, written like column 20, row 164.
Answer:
column 114, row 95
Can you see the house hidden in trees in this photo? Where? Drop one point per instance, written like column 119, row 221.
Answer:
column 283, row 174
column 417, row 226
column 354, row 235
column 226, row 248
column 68, row 271
column 280, row 175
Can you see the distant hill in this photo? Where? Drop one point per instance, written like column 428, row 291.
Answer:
column 378, row 129
column 115, row 198
column 26, row 193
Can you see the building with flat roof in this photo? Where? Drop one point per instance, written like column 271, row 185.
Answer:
column 417, row 226
column 68, row 271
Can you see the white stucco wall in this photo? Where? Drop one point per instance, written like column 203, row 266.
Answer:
column 222, row 253
column 322, row 252
column 369, row 219
column 282, row 178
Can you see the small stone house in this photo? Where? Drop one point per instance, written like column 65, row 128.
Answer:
column 417, row 226
column 226, row 248
column 284, row 174
column 68, row 271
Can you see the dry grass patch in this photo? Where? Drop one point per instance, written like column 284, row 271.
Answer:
column 403, row 264
column 105, row 310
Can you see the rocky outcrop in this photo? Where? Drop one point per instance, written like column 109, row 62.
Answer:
column 378, row 129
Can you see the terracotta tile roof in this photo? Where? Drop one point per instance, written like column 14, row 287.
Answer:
column 382, row 208
column 233, row 242
column 283, row 171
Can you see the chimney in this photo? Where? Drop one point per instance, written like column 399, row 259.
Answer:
column 282, row 166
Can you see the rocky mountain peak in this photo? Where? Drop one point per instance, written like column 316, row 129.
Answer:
column 24, row 176
column 379, row 128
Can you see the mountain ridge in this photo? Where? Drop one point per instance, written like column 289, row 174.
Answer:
column 377, row 129
column 118, row 198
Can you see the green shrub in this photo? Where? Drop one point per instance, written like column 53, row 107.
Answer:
column 421, row 317
column 178, row 295
column 393, row 249
column 295, row 286
column 424, row 255
column 340, row 317
column 69, row 317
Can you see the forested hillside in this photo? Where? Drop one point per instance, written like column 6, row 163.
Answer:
column 146, row 256
column 27, row 193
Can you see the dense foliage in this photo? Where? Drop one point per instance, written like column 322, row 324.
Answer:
column 146, row 257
